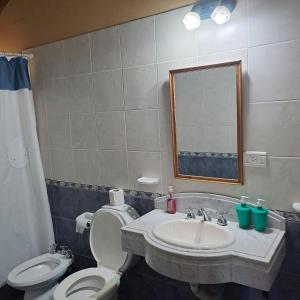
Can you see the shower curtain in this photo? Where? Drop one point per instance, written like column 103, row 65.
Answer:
column 26, row 228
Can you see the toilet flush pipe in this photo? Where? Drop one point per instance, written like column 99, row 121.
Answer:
column 109, row 287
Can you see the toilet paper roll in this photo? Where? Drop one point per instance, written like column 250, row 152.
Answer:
column 116, row 197
column 84, row 222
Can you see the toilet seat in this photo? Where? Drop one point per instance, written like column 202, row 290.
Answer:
column 86, row 283
column 106, row 246
column 38, row 271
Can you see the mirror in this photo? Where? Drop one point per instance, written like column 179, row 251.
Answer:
column 206, row 107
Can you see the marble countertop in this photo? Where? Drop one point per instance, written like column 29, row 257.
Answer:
column 249, row 244
column 253, row 259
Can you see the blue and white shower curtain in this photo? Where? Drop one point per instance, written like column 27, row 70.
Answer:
column 26, row 227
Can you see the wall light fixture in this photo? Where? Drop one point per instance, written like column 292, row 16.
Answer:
column 217, row 10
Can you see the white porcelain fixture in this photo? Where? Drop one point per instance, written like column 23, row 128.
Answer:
column 105, row 241
column 148, row 180
column 207, row 253
column 193, row 234
column 296, row 207
column 39, row 276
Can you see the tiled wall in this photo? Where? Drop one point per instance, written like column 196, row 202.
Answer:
column 217, row 165
column 206, row 110
column 69, row 200
column 102, row 98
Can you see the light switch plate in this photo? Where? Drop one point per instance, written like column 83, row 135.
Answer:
column 255, row 159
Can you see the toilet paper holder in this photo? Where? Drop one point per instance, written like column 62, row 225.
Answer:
column 84, row 221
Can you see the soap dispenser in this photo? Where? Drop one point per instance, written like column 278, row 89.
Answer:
column 260, row 216
column 171, row 201
column 243, row 213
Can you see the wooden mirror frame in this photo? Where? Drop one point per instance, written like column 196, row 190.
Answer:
column 239, row 116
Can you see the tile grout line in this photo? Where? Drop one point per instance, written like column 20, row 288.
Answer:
column 124, row 110
column 274, row 101
column 97, row 149
column 158, row 111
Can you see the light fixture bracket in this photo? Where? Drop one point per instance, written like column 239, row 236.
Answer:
column 206, row 7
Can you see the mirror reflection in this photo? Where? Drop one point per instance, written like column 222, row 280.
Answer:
column 206, row 111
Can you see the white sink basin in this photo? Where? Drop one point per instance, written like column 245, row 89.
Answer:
column 193, row 234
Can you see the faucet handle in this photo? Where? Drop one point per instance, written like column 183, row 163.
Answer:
column 200, row 212
column 190, row 213
column 222, row 220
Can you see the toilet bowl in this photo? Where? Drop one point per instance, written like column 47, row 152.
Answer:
column 103, row 281
column 38, row 276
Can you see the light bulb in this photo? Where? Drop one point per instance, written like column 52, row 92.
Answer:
column 191, row 20
column 221, row 15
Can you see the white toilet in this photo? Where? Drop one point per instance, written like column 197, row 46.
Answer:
column 39, row 276
column 105, row 241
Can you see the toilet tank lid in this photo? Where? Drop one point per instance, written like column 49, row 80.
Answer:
column 105, row 238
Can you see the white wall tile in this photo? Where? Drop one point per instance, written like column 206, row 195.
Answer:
column 51, row 60
column 280, row 122
column 111, row 130
column 79, row 94
column 173, row 40
column 138, row 42
column 274, row 72
column 143, row 164
column 113, row 168
column 142, row 129
column 272, row 21
column 167, row 170
column 77, row 55
column 226, row 56
column 86, row 166
column 163, row 78
column 140, row 87
column 214, row 38
column 105, row 49
column 108, row 90
column 83, row 130
column 165, row 130
column 59, row 131
column 56, row 96
column 278, row 184
column 42, row 128
column 46, row 155
column 63, row 164
column 188, row 138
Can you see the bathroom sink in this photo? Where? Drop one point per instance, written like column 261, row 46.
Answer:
column 193, row 234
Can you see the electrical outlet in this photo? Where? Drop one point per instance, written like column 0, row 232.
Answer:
column 255, row 159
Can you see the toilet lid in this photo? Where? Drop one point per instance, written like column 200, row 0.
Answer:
column 105, row 239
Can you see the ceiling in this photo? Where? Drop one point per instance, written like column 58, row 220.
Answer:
column 29, row 23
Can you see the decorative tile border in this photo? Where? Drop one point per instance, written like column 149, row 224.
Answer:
column 208, row 154
column 290, row 216
column 100, row 188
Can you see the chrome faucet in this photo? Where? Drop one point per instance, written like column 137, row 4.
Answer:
column 203, row 213
column 222, row 220
column 190, row 214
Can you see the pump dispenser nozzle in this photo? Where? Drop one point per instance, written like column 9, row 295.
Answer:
column 260, row 216
column 260, row 203
column 243, row 199
column 243, row 213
